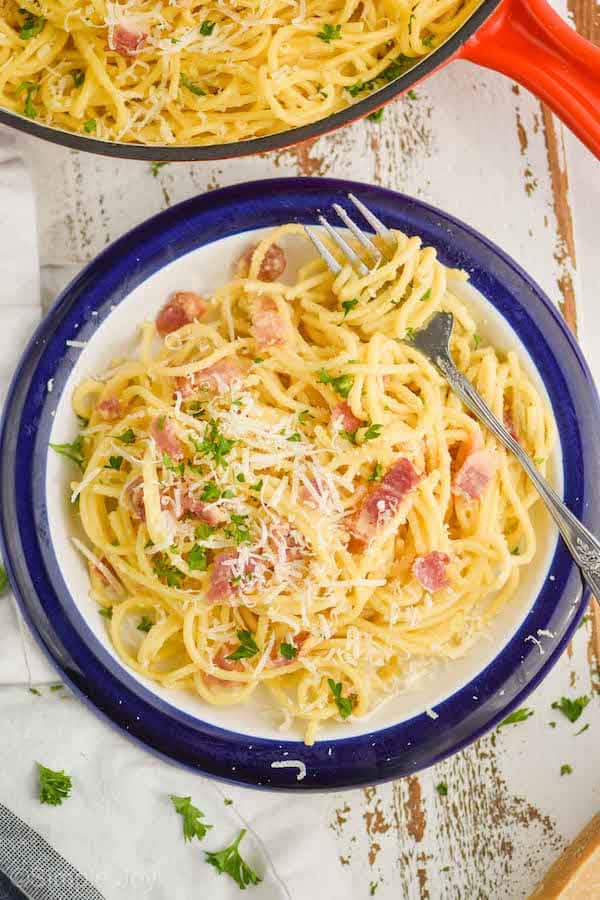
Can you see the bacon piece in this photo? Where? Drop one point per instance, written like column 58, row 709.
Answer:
column 221, row 585
column 163, row 432
column 126, row 41
column 268, row 326
column 510, row 426
column 109, row 409
column 208, row 512
column 216, row 379
column 473, row 442
column 474, row 475
column 271, row 268
column 100, row 574
column 343, row 417
column 430, row 570
column 179, row 310
column 277, row 660
column 285, row 542
column 134, row 493
column 383, row 501
column 229, row 665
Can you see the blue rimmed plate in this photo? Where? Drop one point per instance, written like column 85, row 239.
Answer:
column 195, row 241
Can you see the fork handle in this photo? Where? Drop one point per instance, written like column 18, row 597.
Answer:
column 583, row 546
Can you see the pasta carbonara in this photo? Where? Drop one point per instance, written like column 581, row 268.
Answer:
column 281, row 491
column 194, row 72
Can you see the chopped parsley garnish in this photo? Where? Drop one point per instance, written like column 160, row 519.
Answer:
column 155, row 167
column 330, row 33
column 213, row 443
column 538, row 460
column 572, row 709
column 191, row 815
column 376, row 473
column 128, row 437
column 321, row 91
column 342, row 385
column 257, row 487
column 3, row 579
column 227, row 801
column 582, row 729
column 258, row 359
column 210, row 491
column 410, row 334
column 349, row 435
column 78, row 76
column 207, row 27
column 304, row 416
column 237, row 530
column 248, row 646
column 372, row 432
column 89, row 126
column 372, row 888
column 114, row 462
column 230, row 862
column 552, row 724
column 106, row 612
column 348, row 305
column 442, row 789
column 185, row 81
column 172, row 466
column 376, row 116
column 203, row 531
column 30, row 88
column 426, row 295
column 160, row 422
column 515, row 551
column 164, row 569
column 288, row 651
column 145, row 624
column 198, row 558
column 73, row 451
column 392, row 71
column 411, row 95
column 344, row 704
column 295, row 437
column 54, row 787
column 519, row 715
column 476, row 341
column 428, row 41
column 241, row 477
column 32, row 26
column 35, row 692
column 565, row 769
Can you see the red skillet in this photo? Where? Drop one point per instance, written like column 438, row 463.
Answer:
column 525, row 39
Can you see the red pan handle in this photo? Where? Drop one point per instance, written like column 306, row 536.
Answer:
column 528, row 41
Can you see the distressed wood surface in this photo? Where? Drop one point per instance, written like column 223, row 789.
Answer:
column 487, row 151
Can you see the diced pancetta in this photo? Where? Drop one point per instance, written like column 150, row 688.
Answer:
column 217, row 379
column 271, row 268
column 382, row 502
column 208, row 512
column 343, row 418
column 268, row 326
column 430, row 570
column 221, row 585
column 179, row 310
column 222, row 662
column 126, row 41
column 510, row 425
column 109, row 409
column 163, row 432
column 474, row 475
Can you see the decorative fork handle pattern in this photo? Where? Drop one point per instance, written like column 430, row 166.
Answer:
column 584, row 547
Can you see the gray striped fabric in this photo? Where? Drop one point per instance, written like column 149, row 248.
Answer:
column 30, row 869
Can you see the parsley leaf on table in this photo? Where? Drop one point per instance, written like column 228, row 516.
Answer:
column 518, row 715
column 230, row 862
column 73, row 451
column 3, row 579
column 191, row 815
column 572, row 709
column 54, row 787
column 442, row 789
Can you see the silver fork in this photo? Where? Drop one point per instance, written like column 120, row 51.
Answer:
column 433, row 342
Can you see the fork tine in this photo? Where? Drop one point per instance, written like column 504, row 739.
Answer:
column 322, row 250
column 344, row 246
column 371, row 218
column 358, row 234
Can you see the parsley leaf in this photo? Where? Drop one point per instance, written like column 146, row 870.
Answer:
column 288, row 651
column 376, row 473
column 230, row 862
column 330, row 33
column 348, row 305
column 185, row 81
column 304, row 416
column 128, row 437
column 442, row 789
column 257, row 487
column 191, row 815
column 78, row 76
column 565, row 769
column 342, row 385
column 155, row 167
column 295, row 437
column 426, row 295
column 114, row 462
column 172, row 466
column 30, row 88
column 411, row 95
column 476, row 341
column 392, row 71
column 32, row 26
column 372, row 432
column 106, row 612
column 203, row 531
column 3, row 579
column 238, row 530
column 572, row 709
column 410, row 334
column 207, row 27
column 248, row 646
column 582, row 729
column 210, row 491
column 344, row 704
column 54, row 787
column 376, row 116
column 165, row 570
column 213, row 443
column 89, row 126
column 145, row 624
column 519, row 715
column 198, row 558
column 73, row 451
column 241, row 478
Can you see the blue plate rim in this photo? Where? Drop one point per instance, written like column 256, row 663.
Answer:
column 270, row 191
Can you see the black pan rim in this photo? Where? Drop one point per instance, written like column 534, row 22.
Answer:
column 272, row 142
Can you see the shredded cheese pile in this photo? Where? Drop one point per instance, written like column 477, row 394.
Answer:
column 282, row 491
column 195, row 72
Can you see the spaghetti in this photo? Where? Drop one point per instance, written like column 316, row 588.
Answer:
column 195, row 72
column 282, row 491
